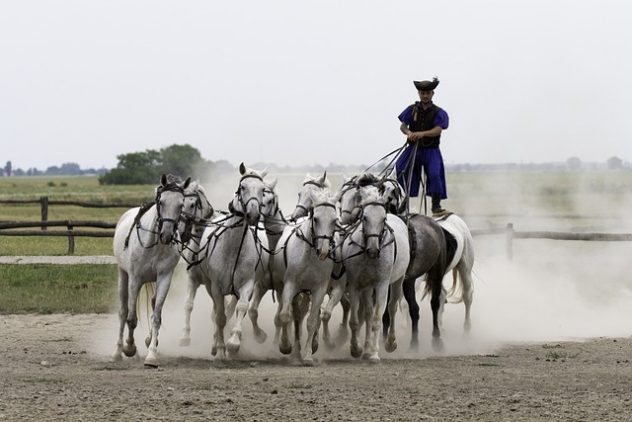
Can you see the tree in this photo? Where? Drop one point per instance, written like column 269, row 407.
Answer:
column 7, row 168
column 614, row 163
column 146, row 167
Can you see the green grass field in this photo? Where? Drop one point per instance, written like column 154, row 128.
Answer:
column 484, row 198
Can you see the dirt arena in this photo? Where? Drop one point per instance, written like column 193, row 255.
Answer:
column 550, row 341
column 50, row 371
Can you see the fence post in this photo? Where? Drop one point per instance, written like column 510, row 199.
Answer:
column 71, row 239
column 509, row 235
column 44, row 206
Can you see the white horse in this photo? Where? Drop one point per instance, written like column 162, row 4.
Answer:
column 274, row 223
column 305, row 265
column 145, row 252
column 376, row 254
column 234, row 258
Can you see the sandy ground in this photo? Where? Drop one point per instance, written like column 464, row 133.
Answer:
column 551, row 340
column 51, row 368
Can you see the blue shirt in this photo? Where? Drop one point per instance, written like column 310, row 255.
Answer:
column 441, row 119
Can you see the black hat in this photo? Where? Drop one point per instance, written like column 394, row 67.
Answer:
column 426, row 85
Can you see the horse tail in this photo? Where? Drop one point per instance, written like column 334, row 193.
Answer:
column 457, row 287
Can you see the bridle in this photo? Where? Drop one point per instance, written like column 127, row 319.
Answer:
column 170, row 187
column 240, row 198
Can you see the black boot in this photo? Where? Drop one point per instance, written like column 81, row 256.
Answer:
column 436, row 205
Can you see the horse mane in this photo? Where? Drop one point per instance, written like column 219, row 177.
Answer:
column 366, row 179
column 370, row 194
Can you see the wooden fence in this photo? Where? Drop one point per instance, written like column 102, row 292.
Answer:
column 8, row 228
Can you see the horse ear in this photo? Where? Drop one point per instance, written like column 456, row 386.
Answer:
column 273, row 183
column 163, row 179
column 186, row 183
column 264, row 172
column 242, row 169
column 321, row 181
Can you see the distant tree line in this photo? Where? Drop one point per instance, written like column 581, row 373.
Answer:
column 145, row 167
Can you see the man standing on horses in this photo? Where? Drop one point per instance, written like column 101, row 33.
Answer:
column 422, row 123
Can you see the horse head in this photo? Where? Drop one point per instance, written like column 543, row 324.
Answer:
column 323, row 218
column 169, row 201
column 270, row 203
column 196, row 209
column 249, row 195
column 373, row 219
column 310, row 184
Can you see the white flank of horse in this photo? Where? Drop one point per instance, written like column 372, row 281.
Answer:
column 145, row 252
column 235, row 259
column 376, row 254
column 305, row 265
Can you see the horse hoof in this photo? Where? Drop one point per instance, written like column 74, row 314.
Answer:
column 356, row 352
column 285, row 349
column 151, row 361
column 390, row 347
column 232, row 347
column 366, row 356
column 185, row 342
column 260, row 336
column 213, row 351
column 374, row 358
column 308, row 361
column 117, row 356
column 129, row 350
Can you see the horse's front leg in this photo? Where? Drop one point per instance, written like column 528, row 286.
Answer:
column 312, row 324
column 253, row 313
column 395, row 294
column 245, row 293
column 122, row 314
column 354, row 321
column 132, row 318
column 300, row 305
column 162, row 288
column 381, row 297
column 289, row 291
column 278, row 327
column 366, row 310
column 219, row 314
column 413, row 310
column 335, row 296
column 192, row 286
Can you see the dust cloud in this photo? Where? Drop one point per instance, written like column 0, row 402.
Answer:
column 550, row 291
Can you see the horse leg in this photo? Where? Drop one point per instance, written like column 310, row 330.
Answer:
column 468, row 294
column 245, row 293
column 366, row 310
column 437, row 297
column 162, row 288
column 219, row 314
column 132, row 319
column 253, row 313
column 122, row 314
column 335, row 296
column 381, row 298
column 278, row 327
column 312, row 324
column 354, row 321
column 386, row 319
column 413, row 311
column 346, row 308
column 395, row 294
column 299, row 309
column 192, row 287
column 289, row 291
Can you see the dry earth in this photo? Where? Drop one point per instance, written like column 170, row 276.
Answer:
column 50, row 369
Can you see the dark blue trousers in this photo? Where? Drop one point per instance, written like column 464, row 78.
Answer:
column 431, row 161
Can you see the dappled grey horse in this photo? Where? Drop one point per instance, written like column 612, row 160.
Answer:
column 234, row 259
column 376, row 255
column 145, row 251
column 305, row 265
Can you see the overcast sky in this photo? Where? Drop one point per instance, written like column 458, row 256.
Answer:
column 302, row 82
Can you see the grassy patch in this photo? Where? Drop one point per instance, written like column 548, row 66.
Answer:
column 57, row 288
